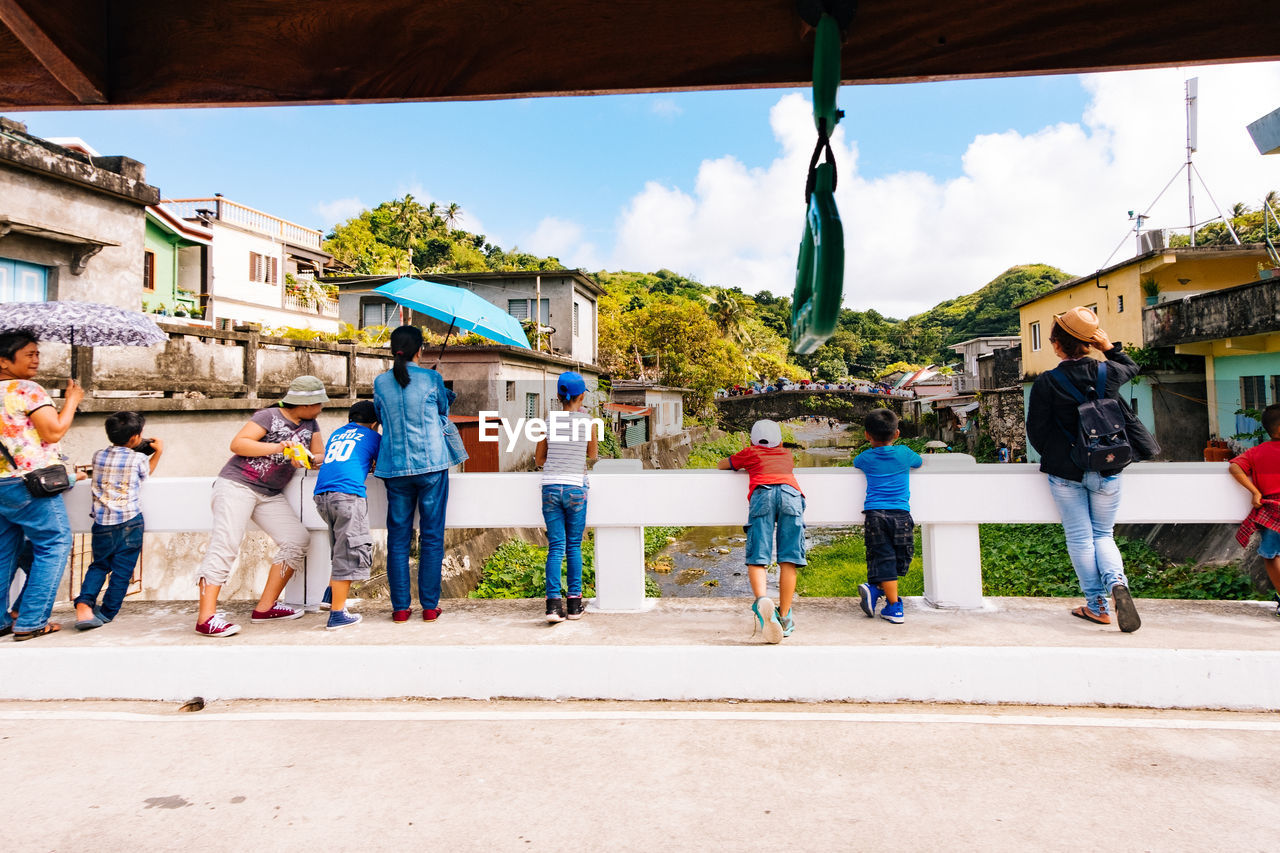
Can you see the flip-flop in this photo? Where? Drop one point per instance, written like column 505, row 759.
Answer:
column 49, row 628
column 1126, row 613
column 1089, row 616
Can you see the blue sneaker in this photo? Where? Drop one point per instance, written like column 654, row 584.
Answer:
column 787, row 622
column 868, row 597
column 765, row 620
column 893, row 612
column 341, row 619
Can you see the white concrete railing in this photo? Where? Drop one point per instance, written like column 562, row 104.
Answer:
column 950, row 497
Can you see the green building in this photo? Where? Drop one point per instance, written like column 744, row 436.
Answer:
column 174, row 264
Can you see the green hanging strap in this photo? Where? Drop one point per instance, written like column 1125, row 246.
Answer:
column 820, row 267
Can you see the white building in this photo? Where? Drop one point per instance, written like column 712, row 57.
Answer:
column 260, row 268
column 665, row 404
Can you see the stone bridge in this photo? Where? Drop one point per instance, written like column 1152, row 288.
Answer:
column 739, row 413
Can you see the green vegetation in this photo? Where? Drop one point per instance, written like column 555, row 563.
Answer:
column 1030, row 560
column 1247, row 221
column 835, row 570
column 404, row 236
column 518, row 568
column 707, row 454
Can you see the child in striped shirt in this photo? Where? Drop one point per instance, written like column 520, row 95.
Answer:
column 563, row 456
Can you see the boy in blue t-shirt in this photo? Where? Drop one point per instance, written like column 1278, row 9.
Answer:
column 888, row 526
column 341, row 501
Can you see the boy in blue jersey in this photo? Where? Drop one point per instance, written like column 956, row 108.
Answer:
column 887, row 526
column 341, row 501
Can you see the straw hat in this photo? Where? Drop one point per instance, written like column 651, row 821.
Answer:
column 1079, row 322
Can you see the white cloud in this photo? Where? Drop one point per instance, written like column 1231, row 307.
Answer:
column 1059, row 195
column 665, row 108
column 562, row 239
column 340, row 209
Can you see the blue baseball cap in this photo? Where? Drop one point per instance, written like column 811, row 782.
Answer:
column 570, row 385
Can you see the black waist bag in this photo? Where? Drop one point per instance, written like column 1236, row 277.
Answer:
column 44, row 482
column 1101, row 442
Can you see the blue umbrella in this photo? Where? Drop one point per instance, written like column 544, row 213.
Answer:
column 458, row 307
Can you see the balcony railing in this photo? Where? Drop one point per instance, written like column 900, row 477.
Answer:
column 1251, row 309
column 226, row 210
column 328, row 308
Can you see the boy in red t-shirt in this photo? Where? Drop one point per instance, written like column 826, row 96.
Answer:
column 1258, row 470
column 776, row 509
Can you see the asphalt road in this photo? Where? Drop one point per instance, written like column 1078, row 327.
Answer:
column 633, row 776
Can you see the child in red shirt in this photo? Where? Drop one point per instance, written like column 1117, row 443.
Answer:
column 1258, row 470
column 776, row 509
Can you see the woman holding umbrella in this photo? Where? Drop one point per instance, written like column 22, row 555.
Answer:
column 30, row 429
column 413, row 462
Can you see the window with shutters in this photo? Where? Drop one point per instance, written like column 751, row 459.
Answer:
column 1120, row 304
column 530, row 405
column 518, row 308
column 1253, row 392
column 575, row 319
column 1035, row 337
column 264, row 269
column 149, row 271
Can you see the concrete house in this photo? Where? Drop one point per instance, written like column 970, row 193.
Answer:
column 515, row 384
column 973, row 349
column 1237, row 332
column 664, row 405
column 563, row 300
column 166, row 285
column 259, row 268
column 71, row 223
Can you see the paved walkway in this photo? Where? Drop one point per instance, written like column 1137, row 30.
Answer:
column 1014, row 622
column 602, row 776
column 1023, row 651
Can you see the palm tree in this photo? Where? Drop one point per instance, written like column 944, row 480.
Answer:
column 1239, row 209
column 728, row 315
column 407, row 219
column 452, row 214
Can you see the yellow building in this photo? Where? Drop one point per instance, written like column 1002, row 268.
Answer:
column 1116, row 294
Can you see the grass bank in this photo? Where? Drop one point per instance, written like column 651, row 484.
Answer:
column 1031, row 559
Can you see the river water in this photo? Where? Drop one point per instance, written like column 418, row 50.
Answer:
column 705, row 562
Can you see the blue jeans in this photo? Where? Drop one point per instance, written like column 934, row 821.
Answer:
column 776, row 512
column 428, row 494
column 564, row 509
column 44, row 521
column 115, row 554
column 1088, row 511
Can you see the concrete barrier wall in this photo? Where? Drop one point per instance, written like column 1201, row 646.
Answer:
column 951, row 496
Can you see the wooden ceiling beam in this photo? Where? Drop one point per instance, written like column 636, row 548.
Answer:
column 247, row 52
column 67, row 38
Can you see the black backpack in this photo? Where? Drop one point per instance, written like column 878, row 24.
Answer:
column 1101, row 442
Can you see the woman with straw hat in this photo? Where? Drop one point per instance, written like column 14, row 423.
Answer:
column 1087, row 500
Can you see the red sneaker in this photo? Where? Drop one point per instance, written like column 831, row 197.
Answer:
column 401, row 615
column 216, row 626
column 431, row 615
column 278, row 611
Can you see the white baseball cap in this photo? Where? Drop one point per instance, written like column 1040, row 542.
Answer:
column 766, row 434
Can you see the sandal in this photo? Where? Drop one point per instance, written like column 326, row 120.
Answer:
column 49, row 628
column 1089, row 616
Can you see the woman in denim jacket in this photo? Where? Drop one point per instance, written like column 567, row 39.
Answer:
column 413, row 462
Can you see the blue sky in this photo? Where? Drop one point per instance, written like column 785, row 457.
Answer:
column 515, row 162
column 934, row 175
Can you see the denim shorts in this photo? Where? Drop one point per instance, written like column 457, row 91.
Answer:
column 1269, row 547
column 890, row 543
column 776, row 511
